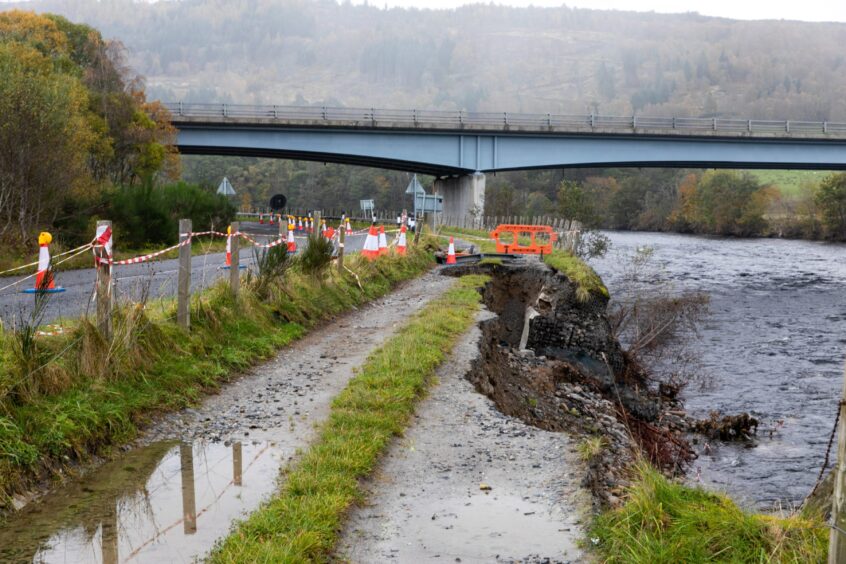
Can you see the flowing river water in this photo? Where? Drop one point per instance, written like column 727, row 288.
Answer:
column 773, row 344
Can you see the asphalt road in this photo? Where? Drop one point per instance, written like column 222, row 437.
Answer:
column 132, row 281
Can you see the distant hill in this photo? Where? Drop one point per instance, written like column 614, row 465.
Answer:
column 480, row 57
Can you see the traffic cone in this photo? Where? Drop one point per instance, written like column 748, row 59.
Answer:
column 299, row 224
column 383, row 241
column 401, row 242
column 310, row 222
column 451, row 252
column 371, row 244
column 323, row 227
column 349, row 226
column 292, row 244
column 261, row 218
column 271, row 219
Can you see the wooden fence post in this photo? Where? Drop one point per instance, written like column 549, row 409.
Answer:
column 104, row 285
column 235, row 266
column 183, row 283
column 836, row 539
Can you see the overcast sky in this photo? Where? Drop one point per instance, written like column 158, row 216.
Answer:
column 807, row 10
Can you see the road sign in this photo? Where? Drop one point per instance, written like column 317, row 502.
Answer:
column 225, row 187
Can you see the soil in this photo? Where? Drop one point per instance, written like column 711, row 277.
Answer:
column 467, row 483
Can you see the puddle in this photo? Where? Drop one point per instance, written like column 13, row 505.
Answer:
column 168, row 502
column 502, row 524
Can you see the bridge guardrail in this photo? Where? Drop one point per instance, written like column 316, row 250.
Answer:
column 461, row 118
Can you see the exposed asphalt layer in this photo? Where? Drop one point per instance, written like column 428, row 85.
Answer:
column 132, row 281
column 429, row 500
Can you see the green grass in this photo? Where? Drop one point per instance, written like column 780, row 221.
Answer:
column 89, row 394
column 301, row 523
column 789, row 182
column 588, row 282
column 665, row 522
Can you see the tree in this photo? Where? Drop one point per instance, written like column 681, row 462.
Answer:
column 573, row 203
column 831, row 199
column 44, row 140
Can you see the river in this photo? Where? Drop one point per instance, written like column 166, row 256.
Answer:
column 773, row 344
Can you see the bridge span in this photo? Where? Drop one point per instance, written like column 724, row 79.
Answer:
column 459, row 147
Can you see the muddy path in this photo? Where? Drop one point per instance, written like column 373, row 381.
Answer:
column 192, row 473
column 426, row 502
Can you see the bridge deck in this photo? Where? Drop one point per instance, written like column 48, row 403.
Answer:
column 480, row 122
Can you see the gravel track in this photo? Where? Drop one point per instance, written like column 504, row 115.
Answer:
column 426, row 502
column 281, row 400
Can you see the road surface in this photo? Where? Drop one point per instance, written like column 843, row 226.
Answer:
column 132, row 281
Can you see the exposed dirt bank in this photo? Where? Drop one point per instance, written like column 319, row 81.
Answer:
column 427, row 502
column 551, row 359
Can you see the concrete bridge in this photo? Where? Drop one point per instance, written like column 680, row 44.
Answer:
column 459, row 147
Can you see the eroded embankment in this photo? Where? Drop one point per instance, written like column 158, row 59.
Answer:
column 550, row 358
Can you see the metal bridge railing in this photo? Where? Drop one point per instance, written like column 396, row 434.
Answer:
column 502, row 120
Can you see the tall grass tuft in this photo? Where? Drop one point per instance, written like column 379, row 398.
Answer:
column 666, row 522
column 271, row 266
column 316, row 257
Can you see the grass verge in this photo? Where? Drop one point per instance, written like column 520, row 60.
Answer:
column 577, row 271
column 665, row 522
column 301, row 523
column 65, row 397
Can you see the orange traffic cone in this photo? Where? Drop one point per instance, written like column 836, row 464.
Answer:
column 371, row 244
column 261, row 218
column 451, row 252
column 271, row 219
column 349, row 226
column 292, row 244
column 44, row 283
column 323, row 227
column 310, row 223
column 401, row 242
column 383, row 241
column 299, row 224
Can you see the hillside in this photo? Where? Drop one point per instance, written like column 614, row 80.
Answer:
column 480, row 57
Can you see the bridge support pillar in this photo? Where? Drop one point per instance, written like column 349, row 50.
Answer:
column 463, row 195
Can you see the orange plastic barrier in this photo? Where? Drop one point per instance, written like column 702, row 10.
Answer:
column 514, row 246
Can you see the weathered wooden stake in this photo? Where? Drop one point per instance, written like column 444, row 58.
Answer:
column 189, row 498
column 104, row 286
column 837, row 539
column 183, row 282
column 234, row 271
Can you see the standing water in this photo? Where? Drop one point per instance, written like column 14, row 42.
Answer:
column 167, row 502
column 773, row 344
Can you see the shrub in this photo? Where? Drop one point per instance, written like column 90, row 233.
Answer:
column 317, row 255
column 149, row 215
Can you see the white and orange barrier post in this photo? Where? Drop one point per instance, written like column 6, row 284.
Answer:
column 401, row 240
column 292, row 244
column 44, row 282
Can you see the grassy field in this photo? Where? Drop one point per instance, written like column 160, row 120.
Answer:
column 662, row 522
column 302, row 521
column 789, row 182
column 63, row 398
